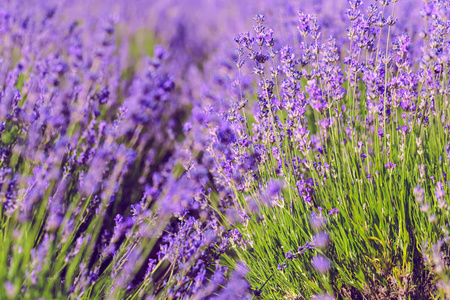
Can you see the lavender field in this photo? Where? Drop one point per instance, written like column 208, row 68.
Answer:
column 224, row 149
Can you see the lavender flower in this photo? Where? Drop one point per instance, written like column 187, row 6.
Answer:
column 320, row 263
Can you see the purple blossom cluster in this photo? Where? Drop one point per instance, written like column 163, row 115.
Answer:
column 129, row 170
column 102, row 183
column 393, row 73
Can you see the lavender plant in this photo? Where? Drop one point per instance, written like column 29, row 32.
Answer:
column 339, row 170
column 309, row 163
column 93, row 206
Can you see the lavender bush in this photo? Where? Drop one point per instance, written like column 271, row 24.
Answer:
column 351, row 142
column 149, row 151
column 94, row 204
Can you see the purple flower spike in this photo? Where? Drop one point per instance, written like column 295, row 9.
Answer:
column 390, row 166
column 321, row 263
column 274, row 188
